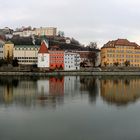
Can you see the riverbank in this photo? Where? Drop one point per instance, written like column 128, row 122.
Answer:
column 72, row 73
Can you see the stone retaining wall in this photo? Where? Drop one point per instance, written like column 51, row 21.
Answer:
column 72, row 73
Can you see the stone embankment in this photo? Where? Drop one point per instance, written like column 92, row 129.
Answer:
column 72, row 73
column 107, row 71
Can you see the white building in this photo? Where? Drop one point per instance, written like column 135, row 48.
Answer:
column 43, row 56
column 71, row 61
column 26, row 54
column 25, row 33
column 1, row 49
column 98, row 60
column 48, row 31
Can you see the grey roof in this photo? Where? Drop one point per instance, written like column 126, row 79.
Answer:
column 9, row 42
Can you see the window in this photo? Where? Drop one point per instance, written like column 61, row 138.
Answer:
column 42, row 58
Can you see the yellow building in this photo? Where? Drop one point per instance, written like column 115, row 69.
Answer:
column 8, row 50
column 120, row 52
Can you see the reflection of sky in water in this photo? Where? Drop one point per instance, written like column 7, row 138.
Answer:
column 66, row 108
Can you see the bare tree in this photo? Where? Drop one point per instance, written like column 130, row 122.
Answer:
column 92, row 57
column 116, row 63
column 105, row 64
column 92, row 45
column 127, row 63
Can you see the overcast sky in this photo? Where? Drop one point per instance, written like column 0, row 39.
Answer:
column 85, row 20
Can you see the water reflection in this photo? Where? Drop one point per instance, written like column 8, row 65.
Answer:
column 53, row 91
column 90, row 85
column 50, row 91
column 120, row 91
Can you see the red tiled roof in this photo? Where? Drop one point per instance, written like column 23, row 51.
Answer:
column 122, row 42
column 43, row 48
column 125, row 42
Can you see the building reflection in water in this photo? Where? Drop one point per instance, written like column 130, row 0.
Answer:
column 25, row 93
column 53, row 86
column 6, row 89
column 52, row 91
column 91, row 85
column 56, row 86
column 71, row 85
column 120, row 91
column 43, row 87
column 17, row 91
column 8, row 93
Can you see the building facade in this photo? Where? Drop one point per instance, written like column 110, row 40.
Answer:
column 1, row 49
column 43, row 56
column 26, row 54
column 71, row 61
column 56, row 59
column 24, row 33
column 85, row 57
column 8, row 49
column 119, row 52
column 48, row 31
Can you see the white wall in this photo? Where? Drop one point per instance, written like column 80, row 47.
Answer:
column 43, row 60
column 71, row 61
column 1, row 51
column 98, row 61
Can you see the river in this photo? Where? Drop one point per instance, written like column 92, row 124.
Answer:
column 70, row 108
